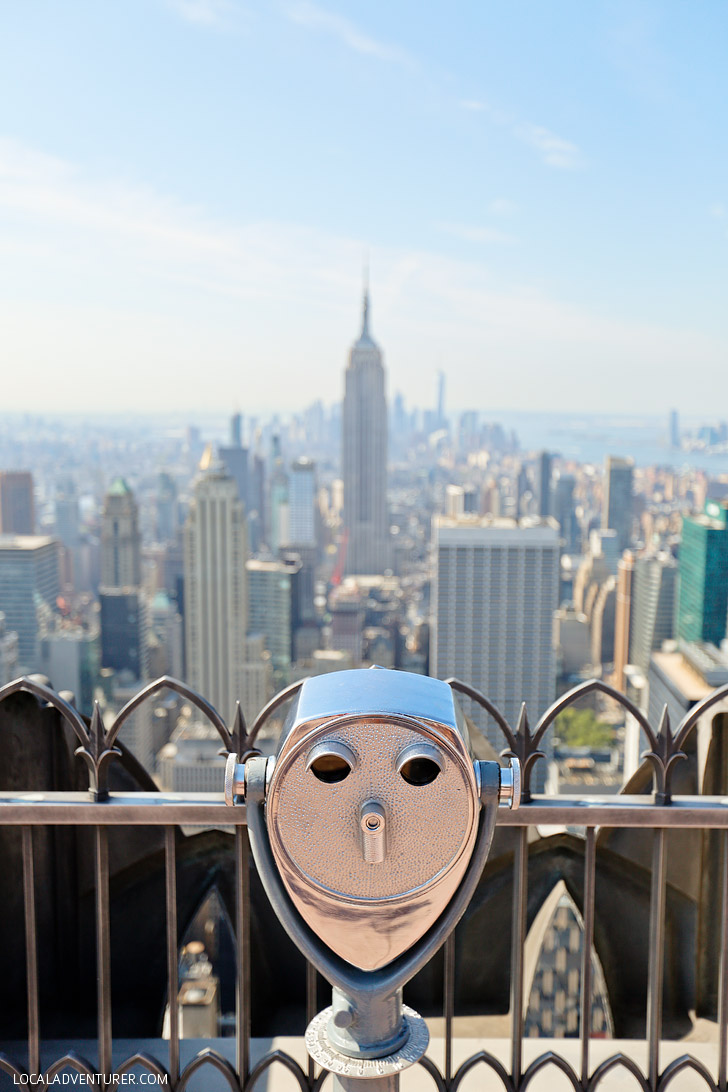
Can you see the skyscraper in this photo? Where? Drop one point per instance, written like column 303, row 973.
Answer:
column 564, row 512
column 17, row 509
column 622, row 621
column 544, row 484
column 364, row 442
column 167, row 508
column 216, row 602
column 654, row 586
column 617, row 505
column 494, row 595
column 29, row 577
column 279, row 523
column 235, row 458
column 301, row 503
column 8, row 653
column 703, row 563
column 674, row 425
column 441, row 418
column 270, row 611
column 121, row 556
column 124, row 620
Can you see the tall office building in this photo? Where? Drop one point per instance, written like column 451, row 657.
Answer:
column 278, row 506
column 270, row 611
column 8, row 653
column 67, row 519
column 441, row 418
column 235, row 458
column 236, row 430
column 603, row 623
column 167, row 508
column 67, row 530
column 654, row 588
column 563, row 510
column 29, row 577
column 493, row 600
column 302, row 503
column 124, row 620
column 364, row 436
column 17, row 509
column 674, row 425
column 617, row 504
column 703, row 565
column 121, row 543
column 544, row 484
column 216, row 602
column 622, row 621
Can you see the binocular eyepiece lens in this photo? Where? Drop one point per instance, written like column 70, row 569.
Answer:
column 419, row 764
column 419, row 771
column 331, row 762
column 330, row 769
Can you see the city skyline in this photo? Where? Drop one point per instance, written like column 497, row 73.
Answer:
column 194, row 235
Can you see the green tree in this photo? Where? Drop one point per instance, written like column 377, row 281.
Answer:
column 582, row 728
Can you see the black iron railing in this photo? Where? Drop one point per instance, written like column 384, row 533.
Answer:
column 101, row 809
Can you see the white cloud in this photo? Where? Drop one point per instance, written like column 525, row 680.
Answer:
column 312, row 16
column 501, row 206
column 554, row 150
column 472, row 233
column 211, row 13
column 190, row 311
column 493, row 113
column 718, row 210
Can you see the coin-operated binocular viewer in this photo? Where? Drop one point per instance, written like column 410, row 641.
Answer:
column 370, row 829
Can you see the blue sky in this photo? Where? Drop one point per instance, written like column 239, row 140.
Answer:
column 189, row 189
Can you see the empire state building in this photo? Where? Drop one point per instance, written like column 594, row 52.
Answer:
column 364, row 443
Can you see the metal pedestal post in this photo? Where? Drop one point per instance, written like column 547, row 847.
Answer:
column 368, row 1038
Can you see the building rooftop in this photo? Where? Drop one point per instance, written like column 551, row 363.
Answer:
column 25, row 542
column 689, row 681
column 119, row 488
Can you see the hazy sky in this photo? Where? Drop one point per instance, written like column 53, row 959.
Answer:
column 189, row 188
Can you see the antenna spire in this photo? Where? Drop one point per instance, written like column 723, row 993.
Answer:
column 365, row 315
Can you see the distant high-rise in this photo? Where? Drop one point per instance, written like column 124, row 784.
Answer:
column 270, row 607
column 622, row 620
column 564, row 512
column 674, row 429
column 121, row 556
column 544, row 484
column 493, row 599
column 124, row 627
column 123, row 607
column 441, row 419
column 278, row 524
column 617, row 505
column 301, row 503
column 17, row 509
column 235, row 458
column 167, row 508
column 67, row 514
column 236, row 430
column 364, row 427
column 703, row 565
column 29, row 577
column 8, row 653
column 654, row 587
column 216, row 611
